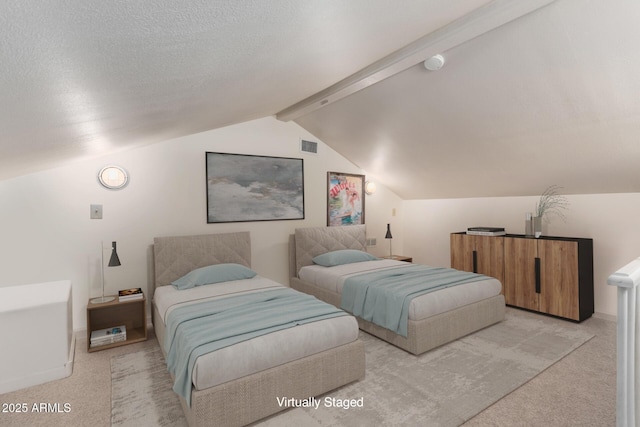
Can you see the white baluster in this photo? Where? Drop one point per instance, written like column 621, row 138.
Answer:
column 628, row 345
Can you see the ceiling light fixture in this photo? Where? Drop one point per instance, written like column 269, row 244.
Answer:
column 434, row 63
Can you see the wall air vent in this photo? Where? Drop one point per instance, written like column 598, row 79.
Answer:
column 308, row 146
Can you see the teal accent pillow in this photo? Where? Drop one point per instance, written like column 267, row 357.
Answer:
column 344, row 256
column 213, row 274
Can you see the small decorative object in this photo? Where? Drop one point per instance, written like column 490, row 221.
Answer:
column 537, row 226
column 550, row 203
column 528, row 224
column 390, row 237
column 114, row 261
column 345, row 199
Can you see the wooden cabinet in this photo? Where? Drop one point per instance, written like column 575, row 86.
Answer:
column 519, row 285
column 132, row 314
column 478, row 254
column 552, row 275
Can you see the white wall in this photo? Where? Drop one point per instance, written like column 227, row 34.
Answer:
column 609, row 219
column 47, row 233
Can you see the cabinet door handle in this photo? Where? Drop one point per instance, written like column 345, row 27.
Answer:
column 537, row 267
column 475, row 261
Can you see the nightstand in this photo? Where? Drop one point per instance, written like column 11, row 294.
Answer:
column 399, row 258
column 132, row 314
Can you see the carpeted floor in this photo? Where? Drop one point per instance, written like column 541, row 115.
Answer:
column 444, row 387
column 580, row 389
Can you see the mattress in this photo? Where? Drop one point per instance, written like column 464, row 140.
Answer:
column 260, row 353
column 332, row 279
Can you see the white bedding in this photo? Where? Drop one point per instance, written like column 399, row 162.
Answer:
column 166, row 298
column 260, row 353
column 422, row 307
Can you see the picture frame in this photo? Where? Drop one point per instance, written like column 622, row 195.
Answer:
column 244, row 188
column 345, row 199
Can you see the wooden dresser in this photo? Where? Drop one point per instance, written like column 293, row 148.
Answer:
column 551, row 275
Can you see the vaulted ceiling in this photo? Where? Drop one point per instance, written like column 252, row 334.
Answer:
column 550, row 97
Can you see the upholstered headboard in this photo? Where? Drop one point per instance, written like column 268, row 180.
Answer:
column 307, row 243
column 176, row 256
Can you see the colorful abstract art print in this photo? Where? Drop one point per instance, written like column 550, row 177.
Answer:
column 345, row 199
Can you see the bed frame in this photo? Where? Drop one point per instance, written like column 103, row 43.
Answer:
column 247, row 399
column 422, row 335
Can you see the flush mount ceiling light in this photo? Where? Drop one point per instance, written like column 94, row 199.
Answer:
column 113, row 177
column 434, row 63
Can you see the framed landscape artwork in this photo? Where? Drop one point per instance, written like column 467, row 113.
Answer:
column 244, row 188
column 345, row 199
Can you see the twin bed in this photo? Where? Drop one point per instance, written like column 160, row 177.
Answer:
column 434, row 319
column 241, row 383
column 296, row 357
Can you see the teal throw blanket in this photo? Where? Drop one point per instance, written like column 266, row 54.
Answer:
column 200, row 328
column 383, row 297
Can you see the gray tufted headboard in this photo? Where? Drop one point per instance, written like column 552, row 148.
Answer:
column 176, row 256
column 307, row 243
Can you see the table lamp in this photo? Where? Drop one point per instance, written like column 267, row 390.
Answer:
column 390, row 237
column 114, row 261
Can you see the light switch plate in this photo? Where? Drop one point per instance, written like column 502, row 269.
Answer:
column 96, row 211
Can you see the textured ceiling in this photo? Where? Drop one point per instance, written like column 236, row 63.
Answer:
column 81, row 78
column 551, row 98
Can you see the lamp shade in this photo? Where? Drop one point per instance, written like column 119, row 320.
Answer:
column 114, row 261
column 388, row 235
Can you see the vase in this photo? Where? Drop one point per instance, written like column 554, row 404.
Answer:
column 537, row 226
column 528, row 225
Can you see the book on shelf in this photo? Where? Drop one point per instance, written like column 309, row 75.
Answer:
column 108, row 335
column 106, row 342
column 486, row 233
column 129, row 294
column 489, row 229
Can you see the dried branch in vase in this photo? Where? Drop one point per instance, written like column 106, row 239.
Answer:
column 552, row 203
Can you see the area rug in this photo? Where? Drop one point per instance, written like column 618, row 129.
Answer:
column 444, row 387
column 141, row 393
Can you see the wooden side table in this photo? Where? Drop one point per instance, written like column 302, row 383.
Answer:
column 132, row 314
column 399, row 258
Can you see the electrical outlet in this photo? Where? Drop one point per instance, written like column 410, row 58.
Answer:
column 96, row 211
column 371, row 241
